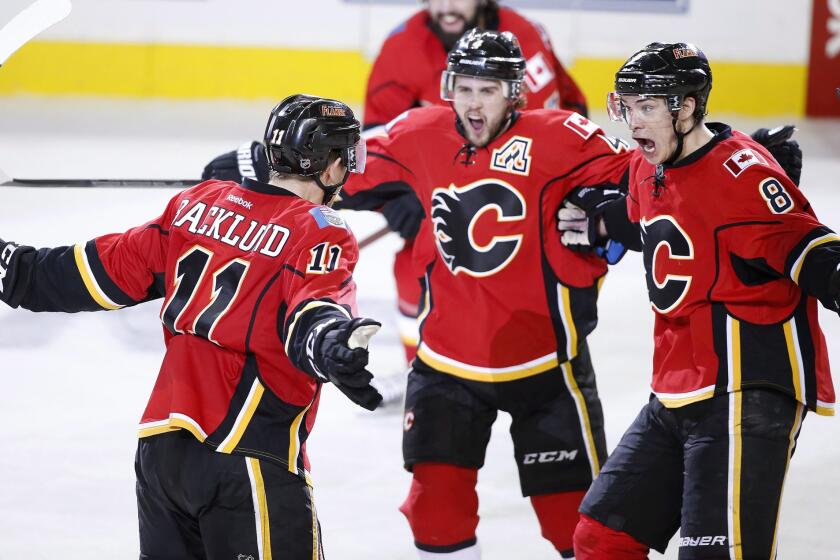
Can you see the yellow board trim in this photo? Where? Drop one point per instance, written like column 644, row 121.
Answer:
column 90, row 283
column 482, row 376
column 192, row 71
column 571, row 383
column 244, row 418
column 293, row 440
column 262, row 503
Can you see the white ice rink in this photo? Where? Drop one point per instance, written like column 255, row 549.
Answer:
column 72, row 387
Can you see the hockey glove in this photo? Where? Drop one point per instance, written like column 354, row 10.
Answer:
column 404, row 215
column 249, row 160
column 579, row 217
column 339, row 349
column 786, row 151
column 834, row 289
column 15, row 270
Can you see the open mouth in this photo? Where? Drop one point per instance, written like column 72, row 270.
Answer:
column 647, row 146
column 451, row 22
column 476, row 124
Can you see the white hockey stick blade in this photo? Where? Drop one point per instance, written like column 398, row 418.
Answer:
column 38, row 17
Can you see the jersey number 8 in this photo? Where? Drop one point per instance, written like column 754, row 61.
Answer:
column 775, row 195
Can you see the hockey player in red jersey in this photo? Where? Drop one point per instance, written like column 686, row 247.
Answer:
column 406, row 74
column 258, row 313
column 736, row 262
column 507, row 308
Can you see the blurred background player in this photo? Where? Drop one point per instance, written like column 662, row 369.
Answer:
column 258, row 305
column 507, row 309
column 406, row 74
column 739, row 356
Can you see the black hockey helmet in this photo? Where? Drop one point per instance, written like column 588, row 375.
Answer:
column 490, row 55
column 670, row 70
column 302, row 132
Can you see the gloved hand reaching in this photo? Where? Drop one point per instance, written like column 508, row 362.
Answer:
column 338, row 349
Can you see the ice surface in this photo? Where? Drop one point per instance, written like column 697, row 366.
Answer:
column 74, row 385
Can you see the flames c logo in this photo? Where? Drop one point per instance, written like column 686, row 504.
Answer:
column 663, row 233
column 455, row 212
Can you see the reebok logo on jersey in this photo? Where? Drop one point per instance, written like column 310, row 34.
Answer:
column 240, row 201
column 743, row 159
column 703, row 541
column 550, row 457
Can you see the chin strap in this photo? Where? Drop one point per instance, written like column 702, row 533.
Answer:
column 331, row 192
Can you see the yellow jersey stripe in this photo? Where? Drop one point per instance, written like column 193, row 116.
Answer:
column 477, row 373
column 796, row 269
column 263, row 526
column 175, row 421
column 792, row 341
column 243, row 418
column 733, row 327
column 797, row 424
column 583, row 416
column 307, row 307
column 568, row 321
column 676, row 402
column 735, row 450
column 92, row 286
column 316, row 549
column 294, row 440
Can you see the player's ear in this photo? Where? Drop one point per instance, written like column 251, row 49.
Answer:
column 686, row 114
column 334, row 172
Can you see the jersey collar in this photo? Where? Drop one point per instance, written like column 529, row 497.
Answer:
column 721, row 131
column 264, row 188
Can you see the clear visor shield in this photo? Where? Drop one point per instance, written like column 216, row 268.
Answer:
column 644, row 109
column 355, row 157
column 448, row 91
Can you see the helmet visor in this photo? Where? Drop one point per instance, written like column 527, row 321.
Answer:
column 355, row 157
column 644, row 109
column 510, row 89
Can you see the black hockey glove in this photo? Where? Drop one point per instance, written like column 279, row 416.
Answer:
column 578, row 220
column 786, row 151
column 404, row 215
column 339, row 352
column 834, row 289
column 15, row 270
column 249, row 160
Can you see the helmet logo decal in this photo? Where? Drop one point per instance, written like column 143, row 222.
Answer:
column 333, row 111
column 538, row 73
column 582, row 126
column 684, row 53
column 464, row 245
column 514, row 157
column 305, row 163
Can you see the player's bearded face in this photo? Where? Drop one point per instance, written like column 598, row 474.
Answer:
column 482, row 107
column 451, row 18
column 651, row 125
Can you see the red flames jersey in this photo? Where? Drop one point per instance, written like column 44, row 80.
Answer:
column 239, row 268
column 505, row 299
column 406, row 73
column 724, row 241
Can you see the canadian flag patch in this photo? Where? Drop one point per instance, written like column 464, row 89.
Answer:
column 743, row 159
column 581, row 125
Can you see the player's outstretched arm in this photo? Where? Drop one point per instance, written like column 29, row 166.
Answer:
column 326, row 343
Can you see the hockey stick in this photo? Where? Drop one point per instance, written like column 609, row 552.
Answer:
column 37, row 17
column 95, row 183
column 374, row 237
